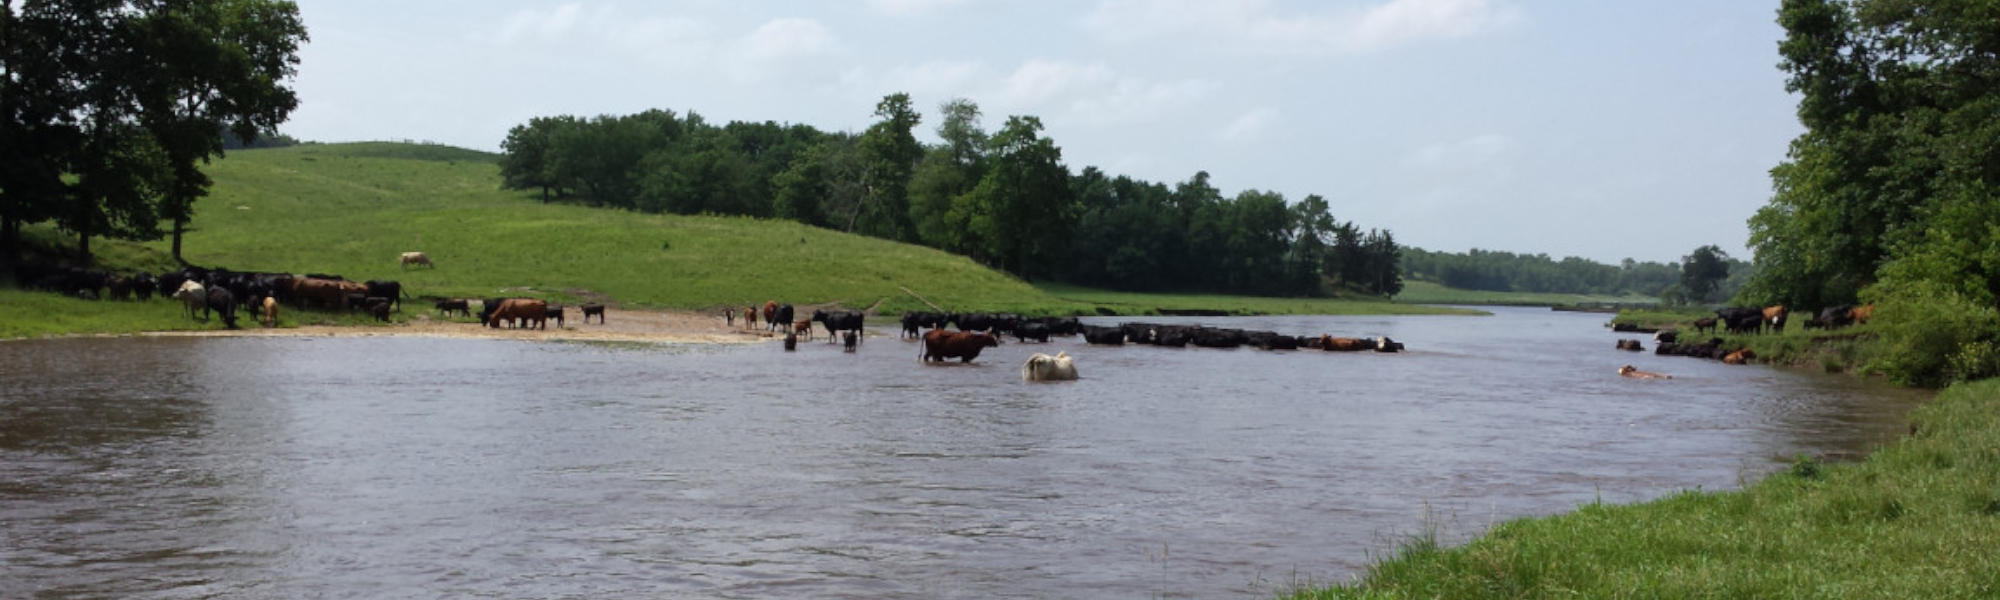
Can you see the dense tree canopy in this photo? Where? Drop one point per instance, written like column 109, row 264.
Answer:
column 1005, row 198
column 109, row 107
column 1889, row 194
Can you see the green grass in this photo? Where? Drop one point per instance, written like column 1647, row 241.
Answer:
column 1918, row 519
column 352, row 209
column 1424, row 292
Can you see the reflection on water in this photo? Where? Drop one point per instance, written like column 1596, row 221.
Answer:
column 420, row 468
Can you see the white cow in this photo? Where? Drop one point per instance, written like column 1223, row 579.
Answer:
column 193, row 297
column 1042, row 367
column 419, row 258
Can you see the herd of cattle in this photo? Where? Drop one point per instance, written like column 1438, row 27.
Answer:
column 978, row 331
column 1742, row 320
column 220, row 292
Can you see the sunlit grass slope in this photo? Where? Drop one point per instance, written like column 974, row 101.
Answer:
column 352, row 209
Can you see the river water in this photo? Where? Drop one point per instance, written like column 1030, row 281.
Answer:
column 375, row 468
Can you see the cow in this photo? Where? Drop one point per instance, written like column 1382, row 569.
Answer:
column 1635, row 373
column 847, row 340
column 803, row 328
column 771, row 315
column 530, row 313
column 749, row 317
column 417, row 258
column 1739, row 357
column 838, row 321
column 1032, row 330
column 270, row 312
column 223, row 304
column 379, row 308
column 593, row 309
column 1343, row 344
column 1632, row 345
column 782, row 317
column 556, row 312
column 1666, row 336
column 454, row 305
column 1774, row 318
column 143, row 285
column 1861, row 314
column 194, row 297
column 1042, row 367
column 940, row 344
column 1104, row 336
column 386, row 289
column 915, row 322
column 486, row 308
column 334, row 292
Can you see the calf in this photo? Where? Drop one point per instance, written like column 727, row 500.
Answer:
column 458, row 305
column 555, row 312
column 847, row 340
column 593, row 309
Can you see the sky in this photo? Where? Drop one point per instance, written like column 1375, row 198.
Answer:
column 1592, row 128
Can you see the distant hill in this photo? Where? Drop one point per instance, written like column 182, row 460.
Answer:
column 351, row 209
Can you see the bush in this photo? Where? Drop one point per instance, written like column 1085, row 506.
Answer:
column 1933, row 336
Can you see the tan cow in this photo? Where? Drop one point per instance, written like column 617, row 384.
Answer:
column 417, row 258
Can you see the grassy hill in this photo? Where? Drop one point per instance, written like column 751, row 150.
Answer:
column 352, row 209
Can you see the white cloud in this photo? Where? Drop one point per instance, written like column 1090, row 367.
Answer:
column 538, row 25
column 1250, row 126
column 905, row 7
column 785, row 39
column 1256, row 25
column 1042, row 82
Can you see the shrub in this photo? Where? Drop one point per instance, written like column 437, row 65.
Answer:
column 1933, row 336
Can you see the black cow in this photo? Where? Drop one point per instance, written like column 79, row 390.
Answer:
column 454, row 305
column 835, row 323
column 387, row 289
column 221, row 302
column 915, row 322
column 555, row 311
column 1103, row 336
column 1032, row 330
column 784, row 317
column 593, row 309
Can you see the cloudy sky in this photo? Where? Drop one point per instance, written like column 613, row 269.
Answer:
column 1593, row 128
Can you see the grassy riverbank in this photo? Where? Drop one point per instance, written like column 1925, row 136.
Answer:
column 1918, row 519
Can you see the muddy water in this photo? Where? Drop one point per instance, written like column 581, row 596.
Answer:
column 428, row 468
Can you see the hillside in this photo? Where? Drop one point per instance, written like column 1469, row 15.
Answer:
column 351, row 209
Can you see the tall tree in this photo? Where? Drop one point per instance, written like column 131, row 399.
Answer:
column 1702, row 271
column 111, row 106
column 1021, row 209
column 891, row 150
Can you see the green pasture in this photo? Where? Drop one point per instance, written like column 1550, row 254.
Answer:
column 353, row 209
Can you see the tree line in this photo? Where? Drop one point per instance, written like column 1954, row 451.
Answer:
column 1004, row 198
column 1890, row 195
column 1704, row 275
column 109, row 108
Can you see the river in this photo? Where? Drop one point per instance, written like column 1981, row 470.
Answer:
column 375, row 468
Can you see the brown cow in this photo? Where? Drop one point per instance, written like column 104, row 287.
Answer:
column 1739, row 357
column 750, row 317
column 940, row 344
column 333, row 291
column 1774, row 317
column 1706, row 325
column 771, row 313
column 803, row 329
column 1635, row 373
column 1341, row 344
column 1861, row 314
column 532, row 313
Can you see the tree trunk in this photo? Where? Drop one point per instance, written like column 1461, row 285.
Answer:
column 83, row 248
column 179, row 226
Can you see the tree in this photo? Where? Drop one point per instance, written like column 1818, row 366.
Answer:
column 1021, row 209
column 891, row 153
column 946, row 173
column 1703, row 270
column 110, row 107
